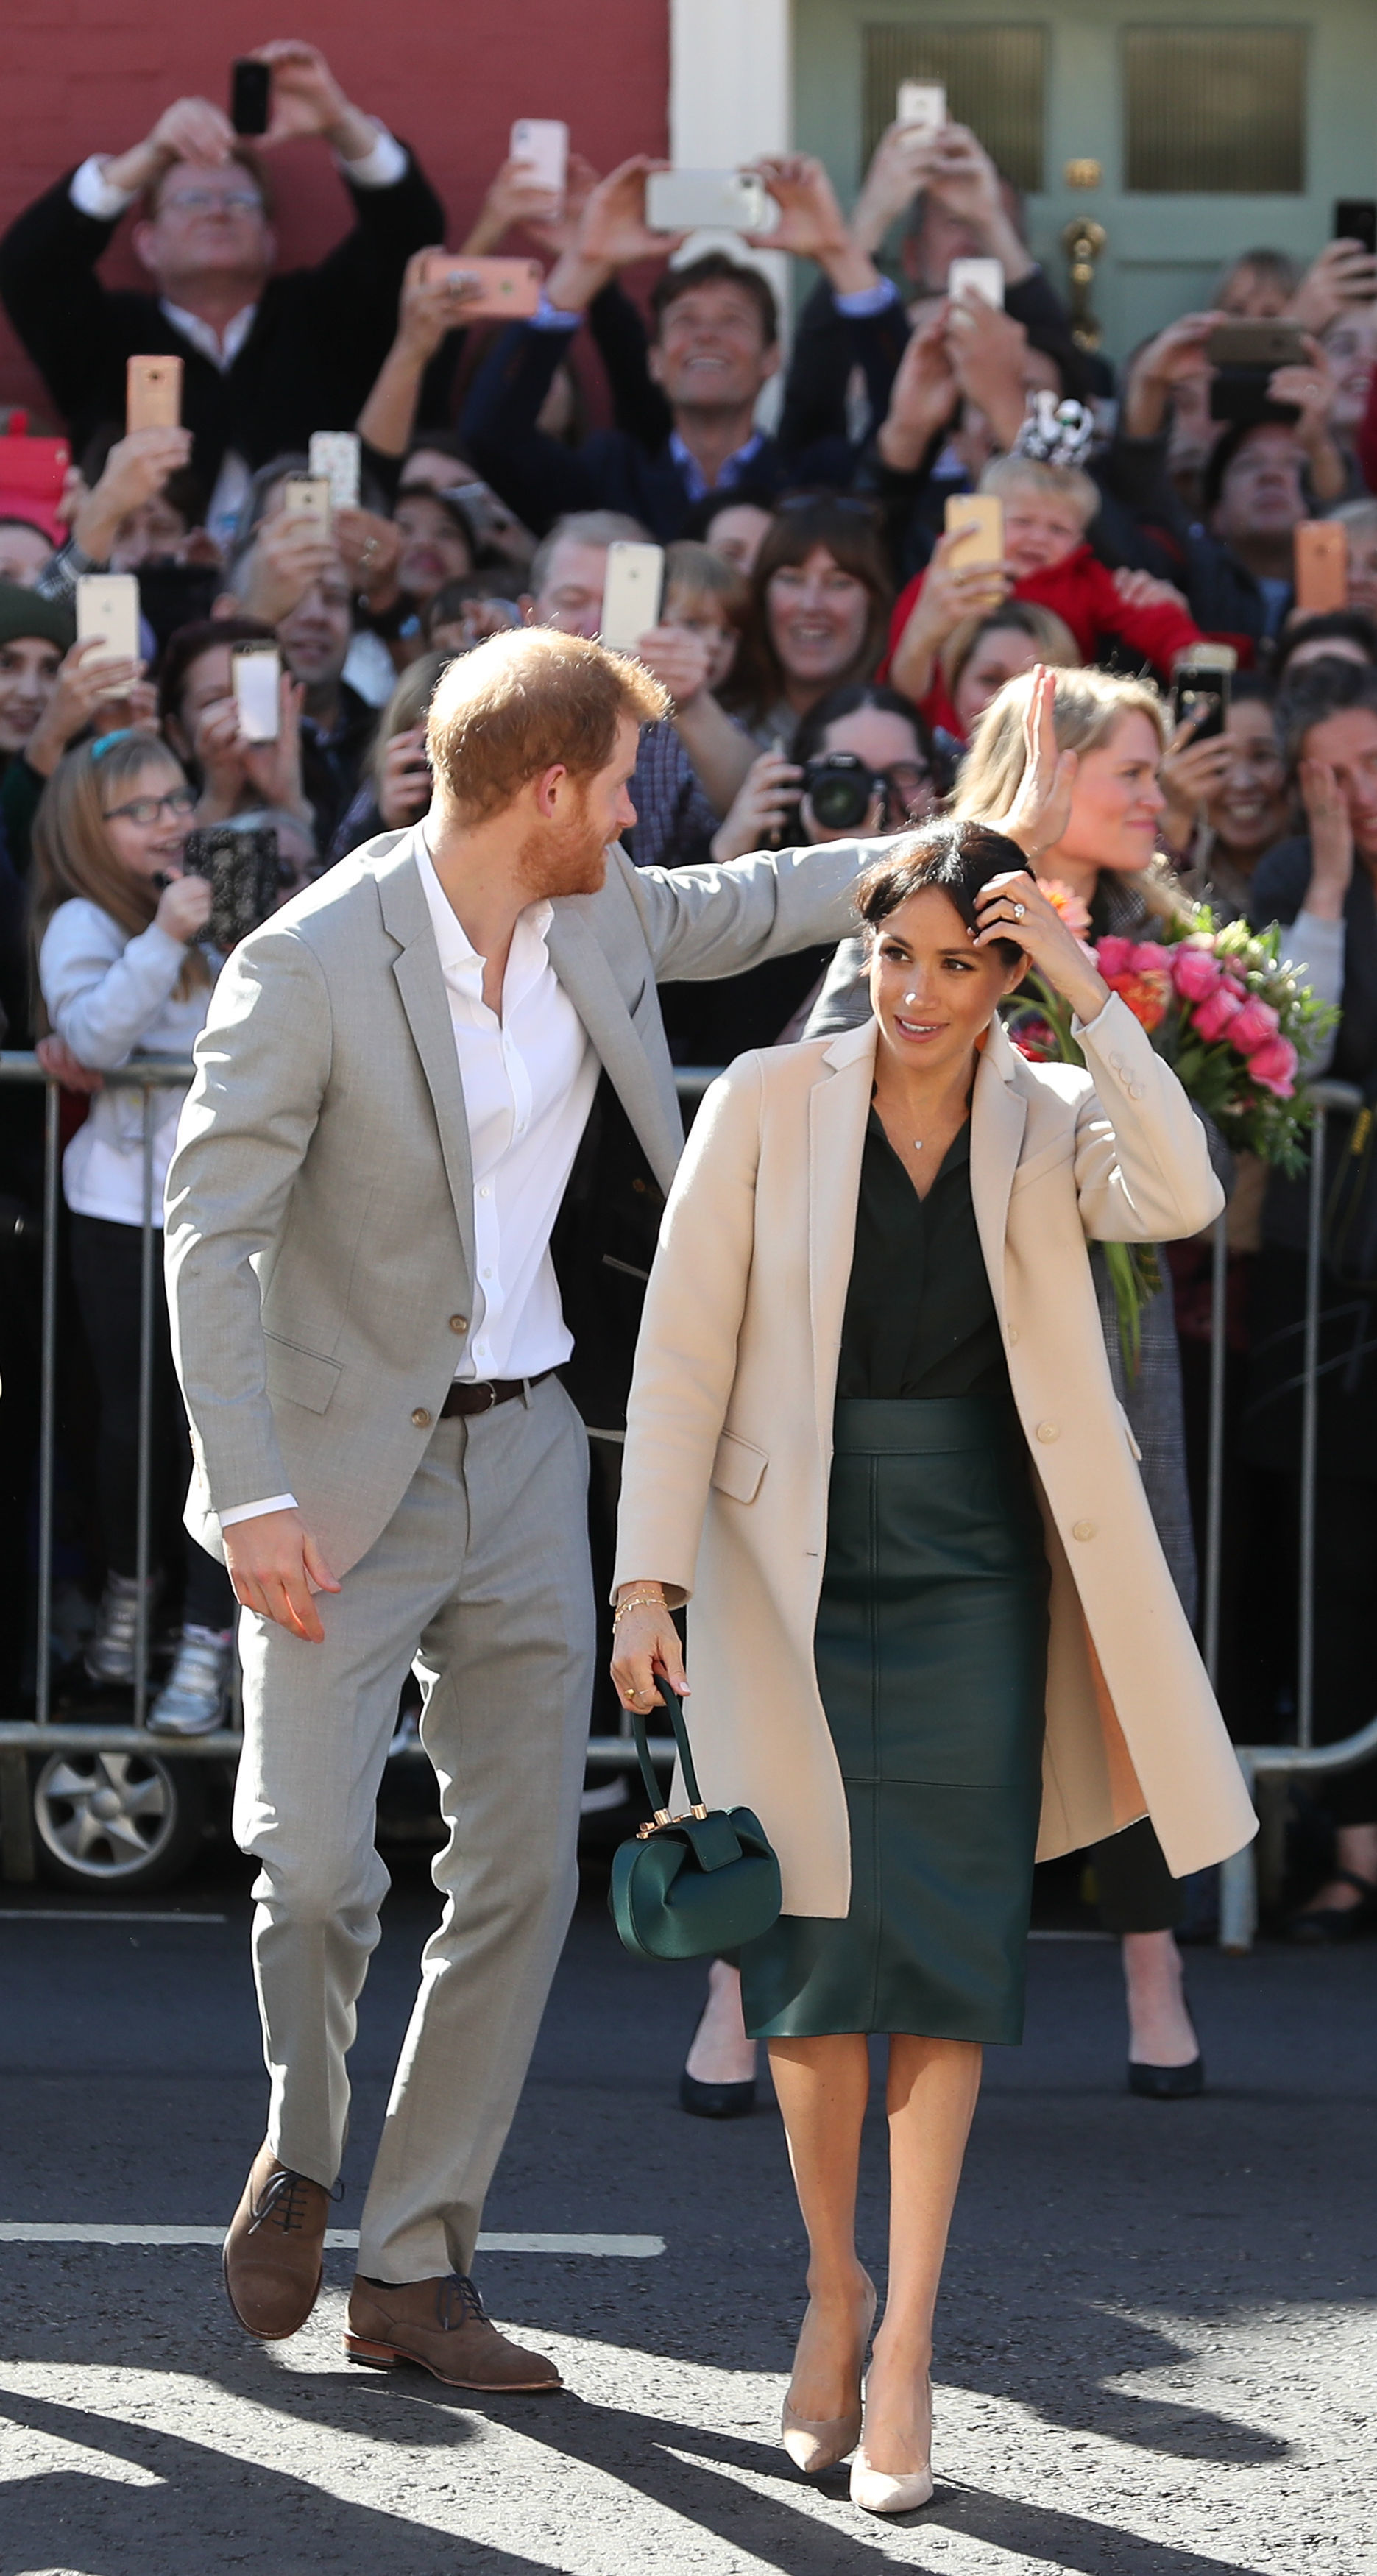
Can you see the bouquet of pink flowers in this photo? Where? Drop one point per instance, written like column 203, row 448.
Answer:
column 1235, row 1023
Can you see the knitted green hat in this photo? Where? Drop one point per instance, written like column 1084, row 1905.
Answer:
column 22, row 612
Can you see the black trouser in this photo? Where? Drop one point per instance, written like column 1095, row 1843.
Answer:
column 1136, row 1890
column 106, row 1272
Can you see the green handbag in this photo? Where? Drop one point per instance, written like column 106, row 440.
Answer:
column 688, row 1887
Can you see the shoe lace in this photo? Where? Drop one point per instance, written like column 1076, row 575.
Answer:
column 458, row 2301
column 284, row 2203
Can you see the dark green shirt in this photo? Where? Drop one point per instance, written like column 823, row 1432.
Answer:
column 920, row 1319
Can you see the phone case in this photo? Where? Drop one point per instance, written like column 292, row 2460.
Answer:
column 153, row 393
column 255, row 672
column 33, row 468
column 979, row 518
column 982, row 277
column 686, row 201
column 542, row 143
column 924, row 104
column 506, row 290
column 1256, row 344
column 250, row 95
column 308, row 495
column 1321, row 567
column 334, row 457
column 108, row 614
column 244, row 873
column 631, row 594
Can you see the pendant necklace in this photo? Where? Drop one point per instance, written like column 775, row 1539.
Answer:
column 917, row 1141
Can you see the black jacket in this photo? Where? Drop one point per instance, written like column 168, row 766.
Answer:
column 631, row 468
column 318, row 339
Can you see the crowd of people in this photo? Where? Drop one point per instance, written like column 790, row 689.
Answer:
column 827, row 655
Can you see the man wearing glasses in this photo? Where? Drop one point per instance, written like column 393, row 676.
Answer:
column 267, row 358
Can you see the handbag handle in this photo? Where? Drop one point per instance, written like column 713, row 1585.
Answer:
column 675, row 1707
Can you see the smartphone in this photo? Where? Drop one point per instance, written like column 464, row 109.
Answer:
column 1256, row 344
column 978, row 519
column 334, row 457
column 1321, row 566
column 244, row 870
column 32, row 468
column 924, row 104
column 308, row 497
column 108, row 615
column 1201, row 681
column 250, row 90
column 1355, row 219
column 153, row 393
column 542, row 144
column 255, row 675
column 506, row 290
column 724, row 201
column 631, row 594
column 982, row 277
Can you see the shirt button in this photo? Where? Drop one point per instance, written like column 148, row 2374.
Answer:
column 1083, row 1529
column 458, row 1323
column 421, row 1418
column 487, row 1274
column 485, row 1192
column 1049, row 1431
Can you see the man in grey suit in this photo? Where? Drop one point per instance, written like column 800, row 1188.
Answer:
column 392, row 1091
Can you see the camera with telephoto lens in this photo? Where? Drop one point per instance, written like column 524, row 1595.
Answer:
column 841, row 788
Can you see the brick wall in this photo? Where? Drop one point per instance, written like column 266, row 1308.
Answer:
column 447, row 75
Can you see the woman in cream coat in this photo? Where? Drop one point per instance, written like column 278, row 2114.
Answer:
column 872, row 1434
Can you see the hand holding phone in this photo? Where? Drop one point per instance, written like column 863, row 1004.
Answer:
column 108, row 615
column 922, row 104
column 982, row 277
column 686, row 201
column 631, row 594
column 1321, row 566
column 307, row 496
column 334, row 458
column 506, row 290
column 250, row 96
column 255, row 678
column 976, row 519
column 1201, row 681
column 153, row 394
column 541, row 145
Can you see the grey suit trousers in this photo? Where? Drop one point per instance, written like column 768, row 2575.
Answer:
column 481, row 1578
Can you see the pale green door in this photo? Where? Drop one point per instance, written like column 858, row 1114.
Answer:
column 1213, row 132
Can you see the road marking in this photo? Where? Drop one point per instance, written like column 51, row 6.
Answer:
column 46, row 2232
column 57, row 1914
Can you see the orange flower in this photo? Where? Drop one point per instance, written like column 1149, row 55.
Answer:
column 1147, row 991
column 1074, row 913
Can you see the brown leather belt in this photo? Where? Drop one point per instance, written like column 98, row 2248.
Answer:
column 479, row 1395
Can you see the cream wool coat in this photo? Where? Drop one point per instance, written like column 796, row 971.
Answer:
column 728, row 1447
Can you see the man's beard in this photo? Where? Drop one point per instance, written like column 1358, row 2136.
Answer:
column 570, row 860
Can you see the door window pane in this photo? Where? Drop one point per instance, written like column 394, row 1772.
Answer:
column 994, row 79
column 1214, row 111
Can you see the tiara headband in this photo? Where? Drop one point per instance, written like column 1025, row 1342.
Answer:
column 1055, row 433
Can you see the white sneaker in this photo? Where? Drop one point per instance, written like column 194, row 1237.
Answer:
column 108, row 1654
column 195, row 1696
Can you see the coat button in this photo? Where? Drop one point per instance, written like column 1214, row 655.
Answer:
column 1083, row 1529
column 421, row 1418
column 458, row 1323
column 1136, row 1090
column 1049, row 1431
column 1116, row 1063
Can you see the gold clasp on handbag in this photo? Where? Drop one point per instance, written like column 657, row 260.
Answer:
column 662, row 1817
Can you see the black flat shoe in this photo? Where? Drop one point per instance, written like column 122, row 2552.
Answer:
column 716, row 2101
column 1167, row 2083
column 1317, row 1925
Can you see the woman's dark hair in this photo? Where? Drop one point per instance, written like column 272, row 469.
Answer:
column 954, row 859
column 187, row 646
column 735, row 496
column 1318, row 691
column 852, row 702
column 848, row 530
column 1329, row 625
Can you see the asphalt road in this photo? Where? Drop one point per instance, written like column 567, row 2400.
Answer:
column 1156, row 2347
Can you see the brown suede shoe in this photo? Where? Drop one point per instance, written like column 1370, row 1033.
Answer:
column 443, row 2326
column 274, row 2249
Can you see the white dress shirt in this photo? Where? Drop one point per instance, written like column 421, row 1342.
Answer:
column 528, row 1079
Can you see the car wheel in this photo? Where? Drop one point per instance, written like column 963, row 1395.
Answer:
column 117, row 1820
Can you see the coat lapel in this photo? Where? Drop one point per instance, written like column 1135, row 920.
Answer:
column 406, row 916
column 838, row 1107
column 581, row 964
column 999, row 1114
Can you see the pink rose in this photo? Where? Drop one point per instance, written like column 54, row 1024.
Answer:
column 1114, row 956
column 1212, row 1017
column 1255, row 1025
column 1274, row 1067
column 1235, row 984
column 1149, row 957
column 1195, row 972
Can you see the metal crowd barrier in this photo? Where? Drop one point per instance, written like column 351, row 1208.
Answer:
column 19, row 1737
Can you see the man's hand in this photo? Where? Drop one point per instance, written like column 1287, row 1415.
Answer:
column 680, row 661
column 925, row 393
column 1343, row 274
column 136, row 467
column 964, row 179
column 1311, row 390
column 1176, row 353
column 84, row 682
column 307, row 99
column 428, row 308
column 811, row 223
column 612, row 233
column 275, row 1567
column 516, row 200
column 897, row 174
column 287, row 556
column 191, row 129
column 988, row 350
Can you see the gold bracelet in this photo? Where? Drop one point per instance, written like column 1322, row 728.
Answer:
column 637, row 1601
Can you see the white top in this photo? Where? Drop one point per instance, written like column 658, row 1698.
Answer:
column 528, row 1079
column 111, row 996
column 1316, row 950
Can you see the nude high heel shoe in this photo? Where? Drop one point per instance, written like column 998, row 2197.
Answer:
column 876, row 2492
column 815, row 2444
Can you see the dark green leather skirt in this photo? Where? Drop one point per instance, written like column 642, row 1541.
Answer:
column 931, row 1653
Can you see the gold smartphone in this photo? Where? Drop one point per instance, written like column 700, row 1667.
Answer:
column 153, row 394
column 1321, row 567
column 978, row 519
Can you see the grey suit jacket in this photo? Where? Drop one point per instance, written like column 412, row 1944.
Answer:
column 319, row 1239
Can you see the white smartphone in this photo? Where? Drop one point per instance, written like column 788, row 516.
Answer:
column 108, row 615
column 255, row 677
column 689, row 201
column 982, row 277
column 924, row 104
column 631, row 594
column 335, row 460
column 542, row 143
column 308, row 497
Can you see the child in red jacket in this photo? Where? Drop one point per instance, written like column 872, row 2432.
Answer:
column 1047, row 509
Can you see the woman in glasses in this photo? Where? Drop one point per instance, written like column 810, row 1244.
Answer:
column 122, row 973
